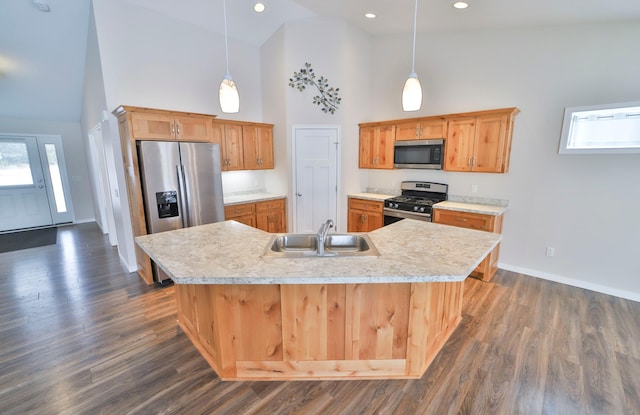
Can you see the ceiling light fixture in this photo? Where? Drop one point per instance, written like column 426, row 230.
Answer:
column 460, row 4
column 228, row 94
column 258, row 7
column 41, row 5
column 412, row 92
column 370, row 15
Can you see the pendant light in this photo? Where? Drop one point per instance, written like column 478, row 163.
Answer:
column 229, row 97
column 412, row 92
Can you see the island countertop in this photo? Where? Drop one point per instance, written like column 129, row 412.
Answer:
column 231, row 253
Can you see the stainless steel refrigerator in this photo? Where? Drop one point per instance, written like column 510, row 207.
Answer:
column 182, row 187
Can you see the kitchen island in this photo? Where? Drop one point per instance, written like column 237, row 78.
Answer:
column 260, row 318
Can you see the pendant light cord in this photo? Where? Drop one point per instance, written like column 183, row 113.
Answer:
column 226, row 46
column 415, row 20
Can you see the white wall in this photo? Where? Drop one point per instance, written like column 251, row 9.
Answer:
column 338, row 52
column 74, row 154
column 583, row 206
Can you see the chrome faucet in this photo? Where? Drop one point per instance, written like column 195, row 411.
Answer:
column 322, row 235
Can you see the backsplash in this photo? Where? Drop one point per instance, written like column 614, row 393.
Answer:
column 478, row 200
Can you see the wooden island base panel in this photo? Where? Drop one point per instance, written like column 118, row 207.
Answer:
column 383, row 316
column 319, row 331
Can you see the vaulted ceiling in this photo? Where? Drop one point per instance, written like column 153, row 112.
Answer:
column 42, row 53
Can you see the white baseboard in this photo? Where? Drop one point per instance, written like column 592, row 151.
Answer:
column 83, row 221
column 573, row 282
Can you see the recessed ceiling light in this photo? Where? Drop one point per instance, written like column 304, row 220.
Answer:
column 370, row 15
column 258, row 7
column 41, row 5
column 460, row 5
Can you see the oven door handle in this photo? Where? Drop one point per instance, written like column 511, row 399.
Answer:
column 425, row 217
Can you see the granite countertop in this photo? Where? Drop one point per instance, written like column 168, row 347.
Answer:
column 235, row 199
column 494, row 210
column 370, row 196
column 231, row 253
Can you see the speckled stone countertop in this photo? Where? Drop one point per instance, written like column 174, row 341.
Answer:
column 231, row 253
column 370, row 196
column 494, row 210
column 236, row 199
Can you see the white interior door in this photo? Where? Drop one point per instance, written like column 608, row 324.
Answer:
column 316, row 177
column 23, row 192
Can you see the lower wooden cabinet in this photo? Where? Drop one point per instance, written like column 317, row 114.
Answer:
column 270, row 215
column 243, row 213
column 478, row 221
column 365, row 215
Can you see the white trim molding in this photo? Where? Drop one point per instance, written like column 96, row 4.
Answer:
column 603, row 289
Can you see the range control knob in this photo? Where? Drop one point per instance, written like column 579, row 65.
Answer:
column 415, row 208
column 421, row 210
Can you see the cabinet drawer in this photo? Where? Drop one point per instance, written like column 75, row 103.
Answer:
column 465, row 220
column 270, row 205
column 239, row 210
column 367, row 205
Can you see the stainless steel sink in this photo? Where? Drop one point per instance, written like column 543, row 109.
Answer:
column 306, row 245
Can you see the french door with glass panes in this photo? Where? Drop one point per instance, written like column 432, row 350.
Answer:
column 34, row 189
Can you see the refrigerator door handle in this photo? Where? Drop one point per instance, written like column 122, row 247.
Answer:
column 183, row 193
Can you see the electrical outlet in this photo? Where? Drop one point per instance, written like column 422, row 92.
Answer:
column 474, row 188
column 551, row 251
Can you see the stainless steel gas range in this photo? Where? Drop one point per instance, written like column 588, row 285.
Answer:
column 415, row 202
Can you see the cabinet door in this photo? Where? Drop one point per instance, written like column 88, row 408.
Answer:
column 433, row 129
column 233, row 149
column 152, row 126
column 458, row 150
column 408, row 131
column 217, row 137
column 265, row 146
column 376, row 147
column 367, row 137
column 383, row 146
column 257, row 147
column 490, row 147
column 194, row 129
column 356, row 221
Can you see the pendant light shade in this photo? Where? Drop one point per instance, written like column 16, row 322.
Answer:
column 412, row 91
column 229, row 97
column 228, row 93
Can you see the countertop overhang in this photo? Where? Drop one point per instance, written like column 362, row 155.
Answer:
column 231, row 253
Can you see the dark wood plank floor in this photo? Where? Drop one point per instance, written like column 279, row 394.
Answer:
column 80, row 335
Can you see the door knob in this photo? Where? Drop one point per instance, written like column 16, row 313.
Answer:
column 299, row 194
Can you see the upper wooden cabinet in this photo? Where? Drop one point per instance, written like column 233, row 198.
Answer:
column 258, row 147
column 422, row 129
column 480, row 143
column 474, row 141
column 376, row 147
column 232, row 148
column 154, row 126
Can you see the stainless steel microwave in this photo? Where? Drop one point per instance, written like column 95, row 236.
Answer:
column 418, row 154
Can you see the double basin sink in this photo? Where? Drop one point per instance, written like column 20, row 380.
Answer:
column 306, row 245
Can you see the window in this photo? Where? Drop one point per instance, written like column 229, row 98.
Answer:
column 601, row 129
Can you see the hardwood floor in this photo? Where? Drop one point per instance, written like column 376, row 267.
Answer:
column 80, row 335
